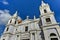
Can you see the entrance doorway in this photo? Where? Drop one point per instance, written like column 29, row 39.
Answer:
column 54, row 38
column 25, row 39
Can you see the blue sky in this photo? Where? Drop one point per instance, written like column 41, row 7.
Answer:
column 27, row 8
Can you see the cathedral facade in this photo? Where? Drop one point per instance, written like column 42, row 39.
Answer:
column 43, row 28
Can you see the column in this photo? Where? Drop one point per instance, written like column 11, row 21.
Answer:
column 36, row 36
column 31, row 37
column 20, row 36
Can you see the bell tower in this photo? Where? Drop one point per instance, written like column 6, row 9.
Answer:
column 48, row 23
column 13, row 19
column 10, row 28
column 44, row 8
column 47, row 16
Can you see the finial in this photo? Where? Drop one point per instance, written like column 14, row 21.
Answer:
column 27, row 17
column 43, row 2
column 15, row 15
column 34, row 17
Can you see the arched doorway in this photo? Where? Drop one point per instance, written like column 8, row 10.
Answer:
column 53, row 36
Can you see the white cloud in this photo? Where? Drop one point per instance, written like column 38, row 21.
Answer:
column 4, row 16
column 4, row 2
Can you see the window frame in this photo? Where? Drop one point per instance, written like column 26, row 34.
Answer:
column 45, row 11
column 7, row 29
column 26, row 28
column 48, row 20
column 52, row 35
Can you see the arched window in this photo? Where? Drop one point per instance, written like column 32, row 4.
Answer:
column 17, row 35
column 33, row 33
column 10, row 21
column 53, row 36
column 15, row 22
column 45, row 11
column 3, row 39
column 26, row 28
column 48, row 20
column 7, row 29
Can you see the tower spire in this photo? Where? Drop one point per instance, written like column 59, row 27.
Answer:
column 15, row 15
column 43, row 2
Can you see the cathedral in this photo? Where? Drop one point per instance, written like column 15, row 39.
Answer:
column 43, row 28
